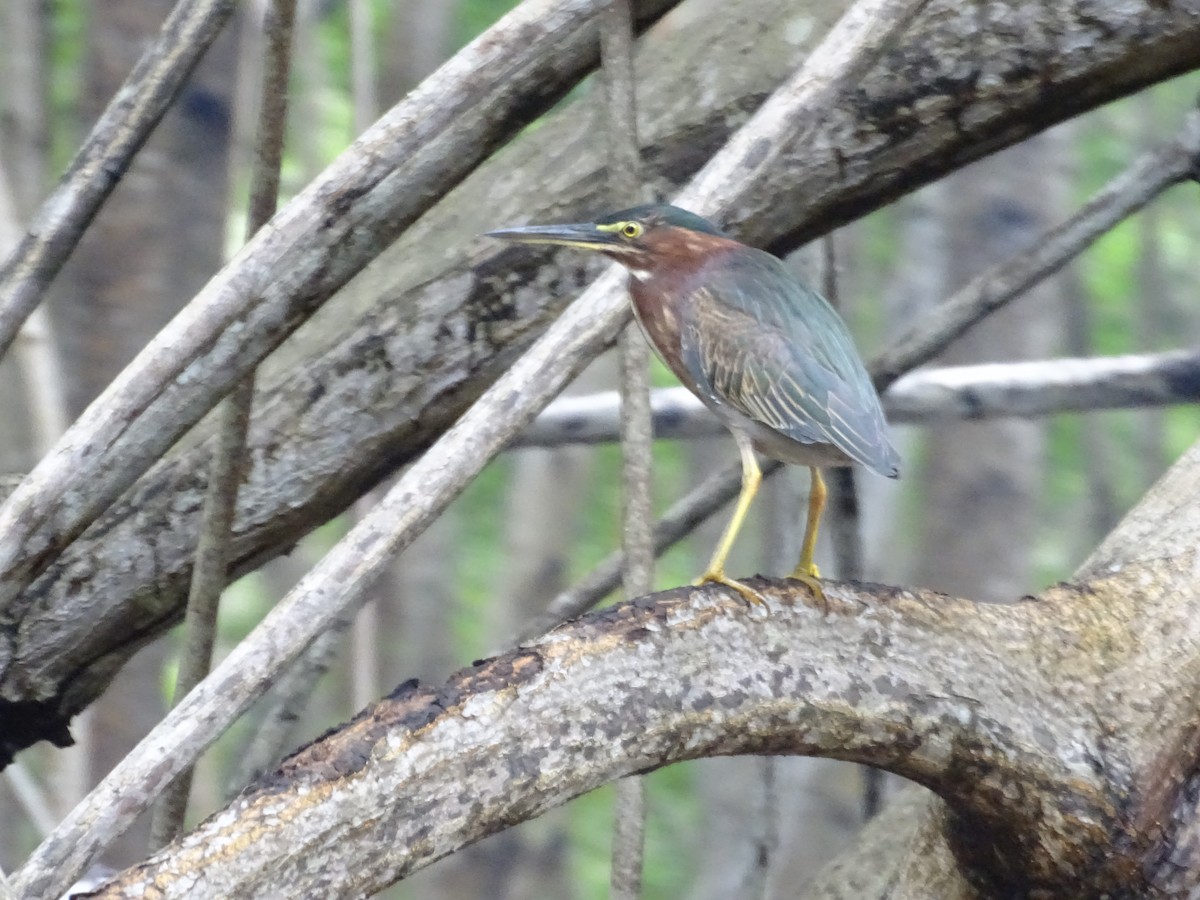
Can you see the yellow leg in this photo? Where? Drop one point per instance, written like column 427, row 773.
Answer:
column 806, row 570
column 751, row 479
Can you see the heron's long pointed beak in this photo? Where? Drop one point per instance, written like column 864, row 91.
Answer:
column 583, row 235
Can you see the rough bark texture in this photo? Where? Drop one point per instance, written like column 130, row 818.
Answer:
column 397, row 377
column 392, row 174
column 370, row 403
column 1059, row 732
column 469, row 324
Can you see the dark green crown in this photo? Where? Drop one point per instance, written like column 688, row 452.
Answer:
column 662, row 214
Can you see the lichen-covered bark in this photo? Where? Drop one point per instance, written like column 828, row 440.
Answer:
column 1059, row 732
column 452, row 318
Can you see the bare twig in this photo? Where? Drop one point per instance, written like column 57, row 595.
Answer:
column 992, row 389
column 391, row 175
column 210, row 572
column 364, row 639
column 427, row 487
column 98, row 166
column 637, row 516
column 844, row 525
column 35, row 342
column 680, row 521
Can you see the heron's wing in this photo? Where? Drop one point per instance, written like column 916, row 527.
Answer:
column 755, row 338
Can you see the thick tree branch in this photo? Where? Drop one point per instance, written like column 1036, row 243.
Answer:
column 392, row 174
column 1009, row 713
column 327, row 429
column 105, row 156
column 456, row 313
column 989, row 390
column 228, row 470
column 425, row 489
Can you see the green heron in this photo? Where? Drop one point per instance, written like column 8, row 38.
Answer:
column 769, row 356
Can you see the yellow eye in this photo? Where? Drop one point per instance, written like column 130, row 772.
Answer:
column 631, row 230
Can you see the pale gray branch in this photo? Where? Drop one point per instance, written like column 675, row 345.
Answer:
column 1151, row 174
column 105, row 156
column 423, row 491
column 951, row 393
column 391, row 175
column 446, row 314
column 1023, row 388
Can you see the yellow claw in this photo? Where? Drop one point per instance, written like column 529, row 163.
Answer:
column 812, row 582
column 753, row 597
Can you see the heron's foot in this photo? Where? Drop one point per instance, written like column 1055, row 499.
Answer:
column 811, row 578
column 753, row 597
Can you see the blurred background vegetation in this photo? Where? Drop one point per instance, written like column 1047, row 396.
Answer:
column 988, row 510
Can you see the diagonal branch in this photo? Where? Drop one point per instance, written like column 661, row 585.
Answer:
column 391, row 175
column 425, row 489
column 105, row 156
column 456, row 315
column 1151, row 173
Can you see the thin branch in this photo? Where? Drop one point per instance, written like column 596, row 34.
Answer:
column 1149, row 175
column 1024, row 388
column 368, row 419
column 346, row 572
column 844, row 529
column 389, row 177
column 287, row 702
column 105, row 156
column 950, row 393
column 679, row 521
column 845, row 519
column 637, row 514
column 365, row 638
column 210, row 573
column 34, row 344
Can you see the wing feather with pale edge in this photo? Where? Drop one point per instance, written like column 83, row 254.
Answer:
column 758, row 340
